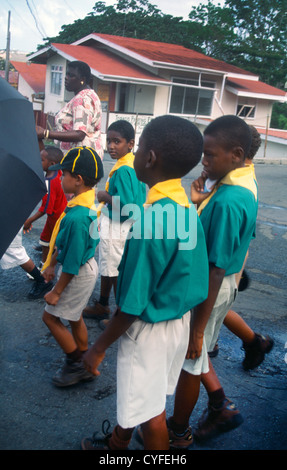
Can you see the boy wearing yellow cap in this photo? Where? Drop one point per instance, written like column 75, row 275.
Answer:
column 72, row 246
column 163, row 274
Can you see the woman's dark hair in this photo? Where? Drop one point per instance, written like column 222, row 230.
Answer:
column 124, row 128
column 83, row 69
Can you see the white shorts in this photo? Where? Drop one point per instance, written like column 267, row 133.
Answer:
column 224, row 300
column 15, row 255
column 150, row 358
column 113, row 237
column 76, row 294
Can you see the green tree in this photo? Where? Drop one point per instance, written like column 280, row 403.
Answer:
column 213, row 30
column 250, row 34
column 261, row 28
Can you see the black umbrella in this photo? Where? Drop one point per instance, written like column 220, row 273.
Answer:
column 22, row 183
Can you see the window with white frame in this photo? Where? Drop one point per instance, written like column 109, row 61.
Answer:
column 245, row 110
column 192, row 96
column 56, row 79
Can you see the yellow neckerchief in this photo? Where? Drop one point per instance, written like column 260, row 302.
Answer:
column 126, row 160
column 244, row 176
column 251, row 166
column 169, row 188
column 86, row 199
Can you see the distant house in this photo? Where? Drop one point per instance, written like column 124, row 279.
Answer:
column 31, row 82
column 13, row 77
column 138, row 79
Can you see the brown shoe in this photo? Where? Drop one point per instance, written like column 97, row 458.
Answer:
column 215, row 421
column 255, row 351
column 71, row 374
column 96, row 311
column 214, row 352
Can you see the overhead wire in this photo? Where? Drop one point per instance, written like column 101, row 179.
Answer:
column 35, row 19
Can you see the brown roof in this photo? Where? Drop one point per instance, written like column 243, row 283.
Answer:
column 33, row 74
column 106, row 63
column 171, row 54
column 254, row 86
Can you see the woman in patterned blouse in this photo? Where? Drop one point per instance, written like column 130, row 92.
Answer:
column 78, row 123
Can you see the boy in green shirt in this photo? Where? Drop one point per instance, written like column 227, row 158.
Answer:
column 163, row 274
column 122, row 189
column 72, row 246
column 228, row 217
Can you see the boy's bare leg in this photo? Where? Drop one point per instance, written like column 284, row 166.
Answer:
column 210, row 380
column 106, row 287
column 237, row 326
column 61, row 334
column 155, row 434
column 80, row 334
column 45, row 251
column 186, row 396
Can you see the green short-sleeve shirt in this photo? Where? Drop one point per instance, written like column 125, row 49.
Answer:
column 125, row 185
column 77, row 238
column 229, row 223
column 164, row 268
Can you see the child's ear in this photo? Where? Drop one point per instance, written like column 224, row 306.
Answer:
column 151, row 161
column 79, row 180
column 131, row 144
column 238, row 154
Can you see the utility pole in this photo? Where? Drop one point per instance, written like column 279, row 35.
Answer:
column 7, row 49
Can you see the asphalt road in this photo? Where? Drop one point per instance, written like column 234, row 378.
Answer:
column 37, row 416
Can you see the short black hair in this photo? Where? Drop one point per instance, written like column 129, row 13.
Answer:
column 54, row 153
column 232, row 132
column 255, row 143
column 89, row 181
column 124, row 128
column 83, row 69
column 177, row 141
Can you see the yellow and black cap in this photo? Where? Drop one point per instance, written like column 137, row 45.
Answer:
column 82, row 161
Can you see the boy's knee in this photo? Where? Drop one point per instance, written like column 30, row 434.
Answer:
column 155, row 424
column 47, row 318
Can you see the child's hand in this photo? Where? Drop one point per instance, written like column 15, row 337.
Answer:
column 49, row 273
column 102, row 196
column 27, row 227
column 196, row 191
column 195, row 345
column 196, row 196
column 52, row 298
column 92, row 360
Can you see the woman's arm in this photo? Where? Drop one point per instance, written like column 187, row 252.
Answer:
column 66, row 136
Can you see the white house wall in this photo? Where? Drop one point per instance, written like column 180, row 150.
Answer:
column 161, row 100
column 271, row 150
column 26, row 90
column 53, row 102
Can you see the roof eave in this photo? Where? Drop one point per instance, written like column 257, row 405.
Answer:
column 115, row 47
column 250, row 94
column 39, row 53
column 138, row 81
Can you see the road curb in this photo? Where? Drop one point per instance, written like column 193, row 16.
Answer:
column 271, row 161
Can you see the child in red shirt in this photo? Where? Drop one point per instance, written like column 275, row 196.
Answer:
column 54, row 202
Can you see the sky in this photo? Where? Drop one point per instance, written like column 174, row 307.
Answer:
column 31, row 20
